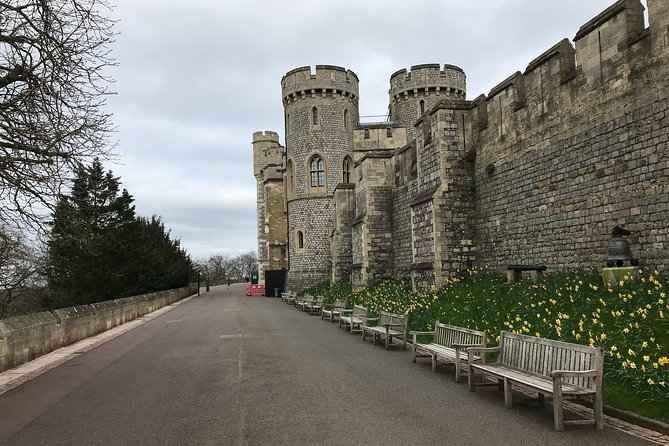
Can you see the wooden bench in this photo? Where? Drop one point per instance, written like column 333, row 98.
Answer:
column 301, row 304
column 353, row 318
column 389, row 325
column 288, row 297
column 316, row 306
column 333, row 310
column 515, row 272
column 557, row 368
column 449, row 344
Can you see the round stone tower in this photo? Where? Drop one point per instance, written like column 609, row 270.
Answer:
column 414, row 92
column 321, row 110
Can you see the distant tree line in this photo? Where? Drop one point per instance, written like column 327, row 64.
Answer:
column 220, row 268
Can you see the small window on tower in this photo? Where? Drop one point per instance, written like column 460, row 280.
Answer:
column 291, row 180
column 314, row 116
column 317, row 174
column 300, row 240
column 421, row 106
column 346, row 169
column 366, row 133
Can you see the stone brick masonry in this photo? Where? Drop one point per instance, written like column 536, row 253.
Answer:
column 538, row 171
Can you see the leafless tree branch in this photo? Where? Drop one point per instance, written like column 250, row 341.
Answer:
column 54, row 60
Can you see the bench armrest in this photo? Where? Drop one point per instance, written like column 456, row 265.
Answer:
column 372, row 319
column 572, row 373
column 466, row 346
column 422, row 333
column 415, row 334
column 349, row 311
column 482, row 351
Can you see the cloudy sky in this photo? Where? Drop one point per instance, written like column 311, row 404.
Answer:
column 196, row 78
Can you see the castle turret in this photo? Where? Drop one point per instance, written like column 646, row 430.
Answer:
column 268, row 168
column 414, row 92
column 320, row 112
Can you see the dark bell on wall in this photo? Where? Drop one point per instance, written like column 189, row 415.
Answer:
column 619, row 249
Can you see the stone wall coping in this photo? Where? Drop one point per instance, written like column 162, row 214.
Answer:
column 602, row 18
column 553, row 51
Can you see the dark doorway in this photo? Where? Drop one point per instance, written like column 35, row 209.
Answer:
column 275, row 282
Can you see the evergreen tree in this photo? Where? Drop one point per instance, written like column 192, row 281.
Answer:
column 99, row 250
column 91, row 240
column 161, row 263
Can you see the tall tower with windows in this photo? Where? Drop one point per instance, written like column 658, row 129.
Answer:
column 414, row 92
column 321, row 110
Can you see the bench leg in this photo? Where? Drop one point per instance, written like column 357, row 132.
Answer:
column 508, row 398
column 413, row 352
column 558, row 415
column 542, row 399
column 597, row 409
column 470, row 379
column 514, row 276
column 434, row 362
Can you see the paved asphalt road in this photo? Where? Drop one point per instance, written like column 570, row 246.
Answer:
column 226, row 369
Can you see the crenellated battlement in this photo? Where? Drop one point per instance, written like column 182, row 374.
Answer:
column 608, row 50
column 266, row 136
column 428, row 79
column 267, row 152
column 604, row 40
column 328, row 80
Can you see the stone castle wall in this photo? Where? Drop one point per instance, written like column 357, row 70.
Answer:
column 539, row 171
column 579, row 149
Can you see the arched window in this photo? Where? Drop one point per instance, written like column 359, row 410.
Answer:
column 366, row 133
column 314, row 116
column 317, row 171
column 421, row 106
column 290, row 174
column 300, row 240
column 346, row 119
column 346, row 170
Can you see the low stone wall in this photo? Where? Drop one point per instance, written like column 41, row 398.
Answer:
column 24, row 338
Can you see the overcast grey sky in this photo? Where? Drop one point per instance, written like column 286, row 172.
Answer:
column 196, row 78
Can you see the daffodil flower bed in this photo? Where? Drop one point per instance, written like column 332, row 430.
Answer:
column 629, row 320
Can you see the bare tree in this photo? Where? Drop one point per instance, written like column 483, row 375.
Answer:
column 19, row 267
column 248, row 263
column 220, row 268
column 54, row 56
